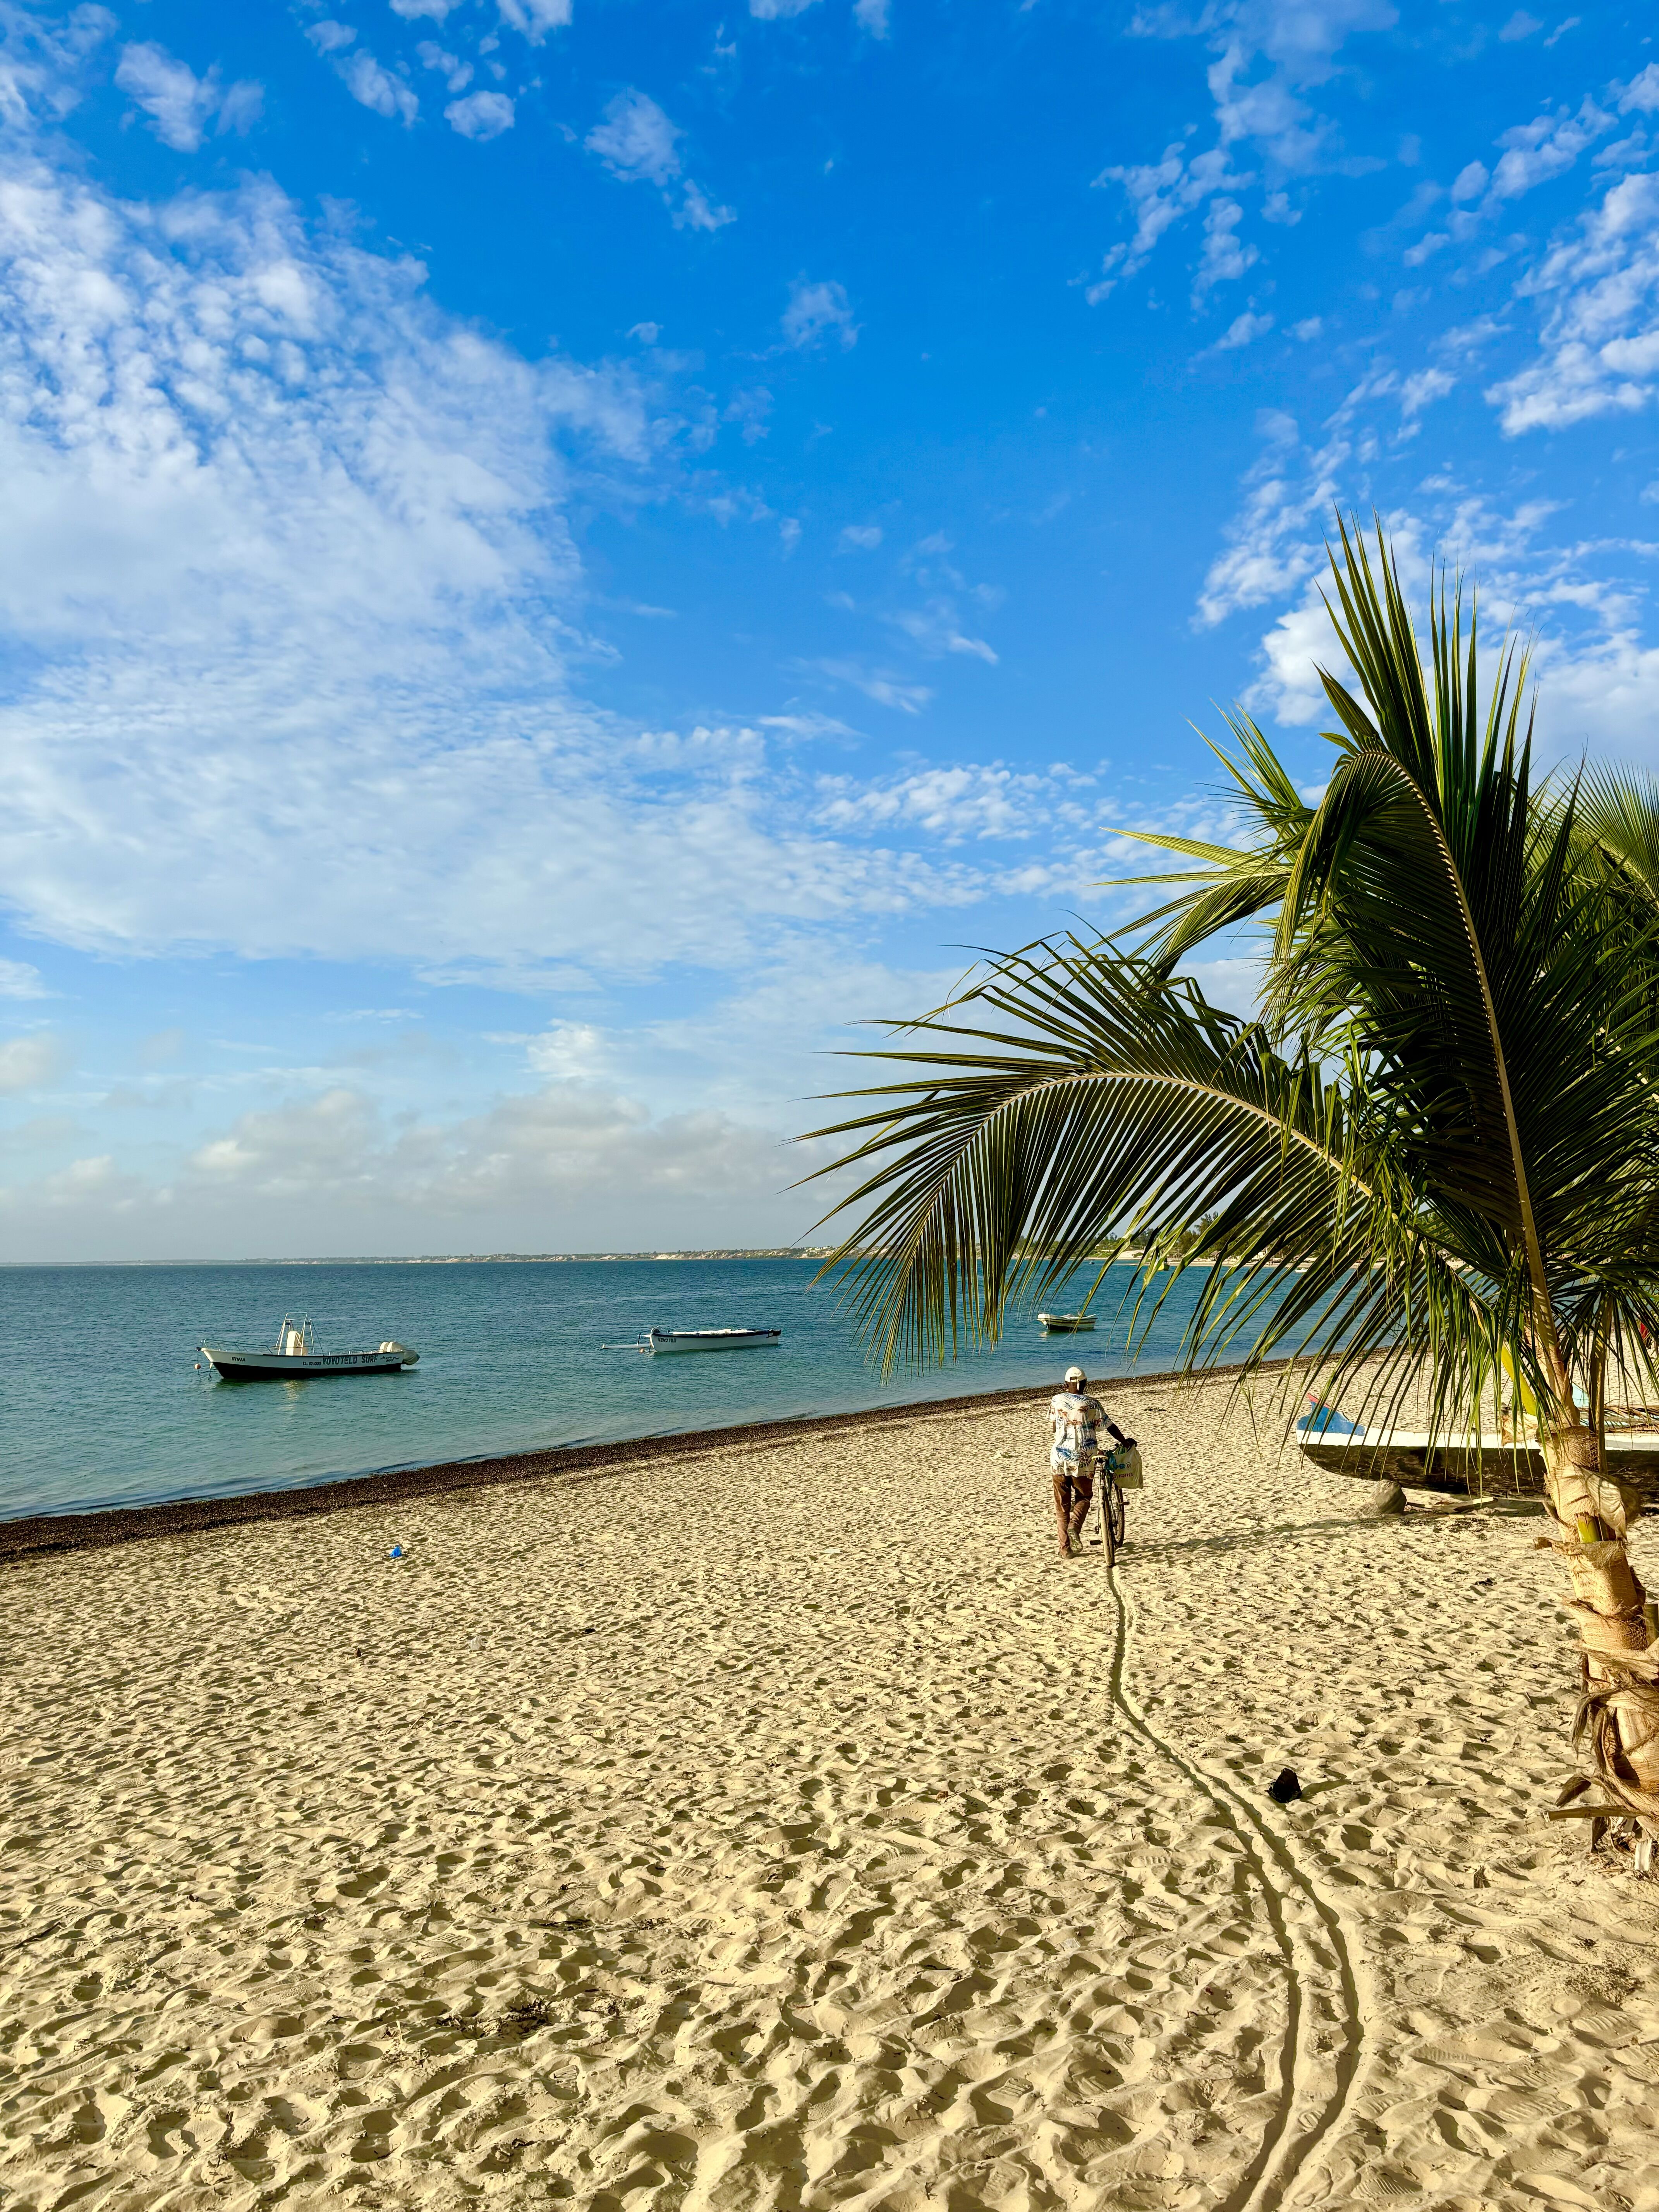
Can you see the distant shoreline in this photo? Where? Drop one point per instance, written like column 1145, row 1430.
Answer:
column 811, row 1252
column 41, row 1535
column 448, row 1258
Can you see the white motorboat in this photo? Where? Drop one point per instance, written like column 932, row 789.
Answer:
column 294, row 1356
column 1065, row 1324
column 709, row 1340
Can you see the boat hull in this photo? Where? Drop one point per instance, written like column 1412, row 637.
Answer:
column 1492, row 1467
column 713, row 1340
column 1066, row 1324
column 303, row 1366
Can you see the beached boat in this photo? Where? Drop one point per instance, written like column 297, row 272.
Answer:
column 1489, row 1466
column 709, row 1340
column 1065, row 1324
column 294, row 1356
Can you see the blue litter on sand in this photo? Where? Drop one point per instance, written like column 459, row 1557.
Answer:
column 397, row 1552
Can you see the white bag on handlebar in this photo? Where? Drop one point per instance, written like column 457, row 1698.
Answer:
column 1130, row 1475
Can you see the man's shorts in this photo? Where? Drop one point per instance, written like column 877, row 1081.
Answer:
column 1080, row 1471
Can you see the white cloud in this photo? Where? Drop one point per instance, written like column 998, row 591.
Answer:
column 571, row 1052
column 814, row 311
column 1600, row 696
column 44, row 66
column 884, row 685
column 859, row 538
column 1243, row 329
column 375, row 87
column 871, row 15
column 1599, row 348
column 1266, row 56
column 1520, row 26
column 414, row 11
column 1268, row 551
column 1160, row 193
column 1545, row 147
column 637, row 141
column 1641, row 94
column 179, row 104
column 19, row 980
column 949, row 803
column 534, row 18
column 241, row 107
column 1309, row 327
column 456, row 73
column 30, row 1063
column 529, row 1159
column 330, row 37
column 596, row 1152
column 777, row 11
column 696, row 211
column 1225, row 257
column 937, row 628
column 1471, row 181
column 1598, row 682
column 267, row 500
column 1422, row 389
column 481, row 115
column 806, row 727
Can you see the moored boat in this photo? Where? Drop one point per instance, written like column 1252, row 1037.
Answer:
column 1065, row 1324
column 294, row 1357
column 709, row 1340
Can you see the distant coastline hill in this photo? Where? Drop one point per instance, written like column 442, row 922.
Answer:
column 528, row 1259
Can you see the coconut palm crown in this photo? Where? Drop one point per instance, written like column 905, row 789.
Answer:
column 1432, row 1162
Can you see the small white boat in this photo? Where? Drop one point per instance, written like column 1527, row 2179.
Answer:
column 294, row 1355
column 708, row 1340
column 1065, row 1324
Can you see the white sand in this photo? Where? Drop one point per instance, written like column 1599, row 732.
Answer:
column 763, row 1829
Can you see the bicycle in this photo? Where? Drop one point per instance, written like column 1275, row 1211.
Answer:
column 1114, row 1473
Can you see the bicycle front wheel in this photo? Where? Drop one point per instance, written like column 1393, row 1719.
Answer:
column 1111, row 1519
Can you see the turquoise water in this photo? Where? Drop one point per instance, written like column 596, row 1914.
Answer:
column 101, row 1403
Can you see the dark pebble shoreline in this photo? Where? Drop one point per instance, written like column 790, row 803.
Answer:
column 44, row 1533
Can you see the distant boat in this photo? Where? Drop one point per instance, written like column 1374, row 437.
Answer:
column 294, row 1355
column 1065, row 1324
column 708, row 1340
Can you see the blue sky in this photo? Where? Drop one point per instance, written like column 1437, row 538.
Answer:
column 557, row 552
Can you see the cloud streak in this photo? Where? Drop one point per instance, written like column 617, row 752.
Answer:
column 178, row 104
column 637, row 142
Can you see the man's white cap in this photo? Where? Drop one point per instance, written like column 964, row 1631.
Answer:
column 1075, row 1375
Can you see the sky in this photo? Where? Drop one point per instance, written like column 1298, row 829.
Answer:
column 558, row 556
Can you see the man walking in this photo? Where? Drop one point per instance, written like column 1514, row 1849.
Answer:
column 1076, row 1419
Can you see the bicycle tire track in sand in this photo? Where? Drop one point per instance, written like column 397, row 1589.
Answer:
column 1271, row 2175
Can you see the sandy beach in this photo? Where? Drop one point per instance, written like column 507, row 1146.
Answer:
column 787, row 1825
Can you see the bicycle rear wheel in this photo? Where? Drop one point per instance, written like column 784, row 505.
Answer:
column 1116, row 1512
column 1111, row 1518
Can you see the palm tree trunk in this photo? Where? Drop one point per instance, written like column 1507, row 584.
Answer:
column 1590, row 1519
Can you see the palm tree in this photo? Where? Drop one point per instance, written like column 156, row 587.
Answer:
column 1432, row 1162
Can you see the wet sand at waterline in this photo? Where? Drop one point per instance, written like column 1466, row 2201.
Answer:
column 787, row 1825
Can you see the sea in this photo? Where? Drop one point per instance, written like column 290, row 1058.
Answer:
column 106, row 1401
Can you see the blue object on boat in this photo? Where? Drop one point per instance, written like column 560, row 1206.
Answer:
column 1322, row 1420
